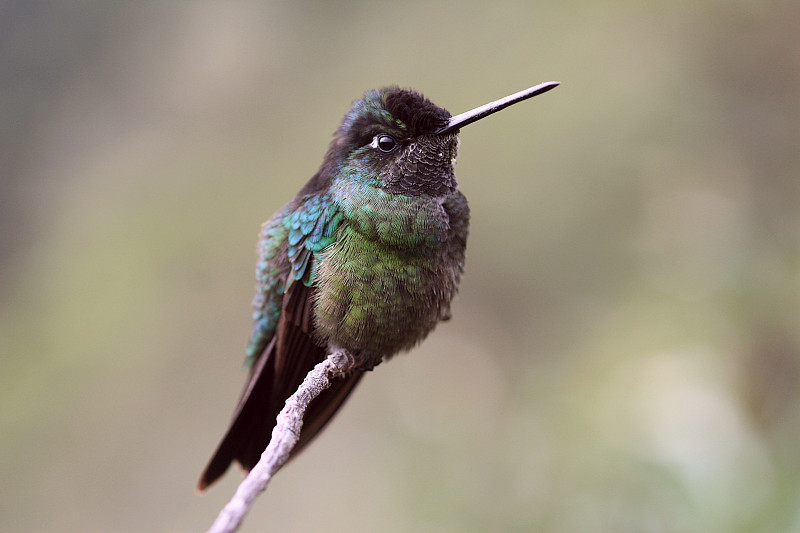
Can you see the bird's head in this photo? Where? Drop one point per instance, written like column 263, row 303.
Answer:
column 399, row 141
column 389, row 139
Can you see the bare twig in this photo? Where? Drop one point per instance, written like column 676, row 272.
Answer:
column 284, row 437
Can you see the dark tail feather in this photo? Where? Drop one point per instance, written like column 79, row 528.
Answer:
column 250, row 428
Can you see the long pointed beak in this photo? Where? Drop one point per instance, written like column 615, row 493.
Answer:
column 468, row 117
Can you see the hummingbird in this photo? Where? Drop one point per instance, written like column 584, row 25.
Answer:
column 366, row 258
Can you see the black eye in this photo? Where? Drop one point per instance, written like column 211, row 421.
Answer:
column 385, row 143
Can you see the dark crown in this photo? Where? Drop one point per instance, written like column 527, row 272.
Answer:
column 418, row 113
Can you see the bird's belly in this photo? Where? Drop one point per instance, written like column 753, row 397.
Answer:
column 379, row 299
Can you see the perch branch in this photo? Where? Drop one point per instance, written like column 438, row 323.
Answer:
column 284, row 437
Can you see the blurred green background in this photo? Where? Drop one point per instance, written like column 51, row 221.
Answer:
column 624, row 353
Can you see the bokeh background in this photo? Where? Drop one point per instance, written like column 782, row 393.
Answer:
column 625, row 350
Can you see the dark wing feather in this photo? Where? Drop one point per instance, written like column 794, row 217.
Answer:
column 291, row 354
